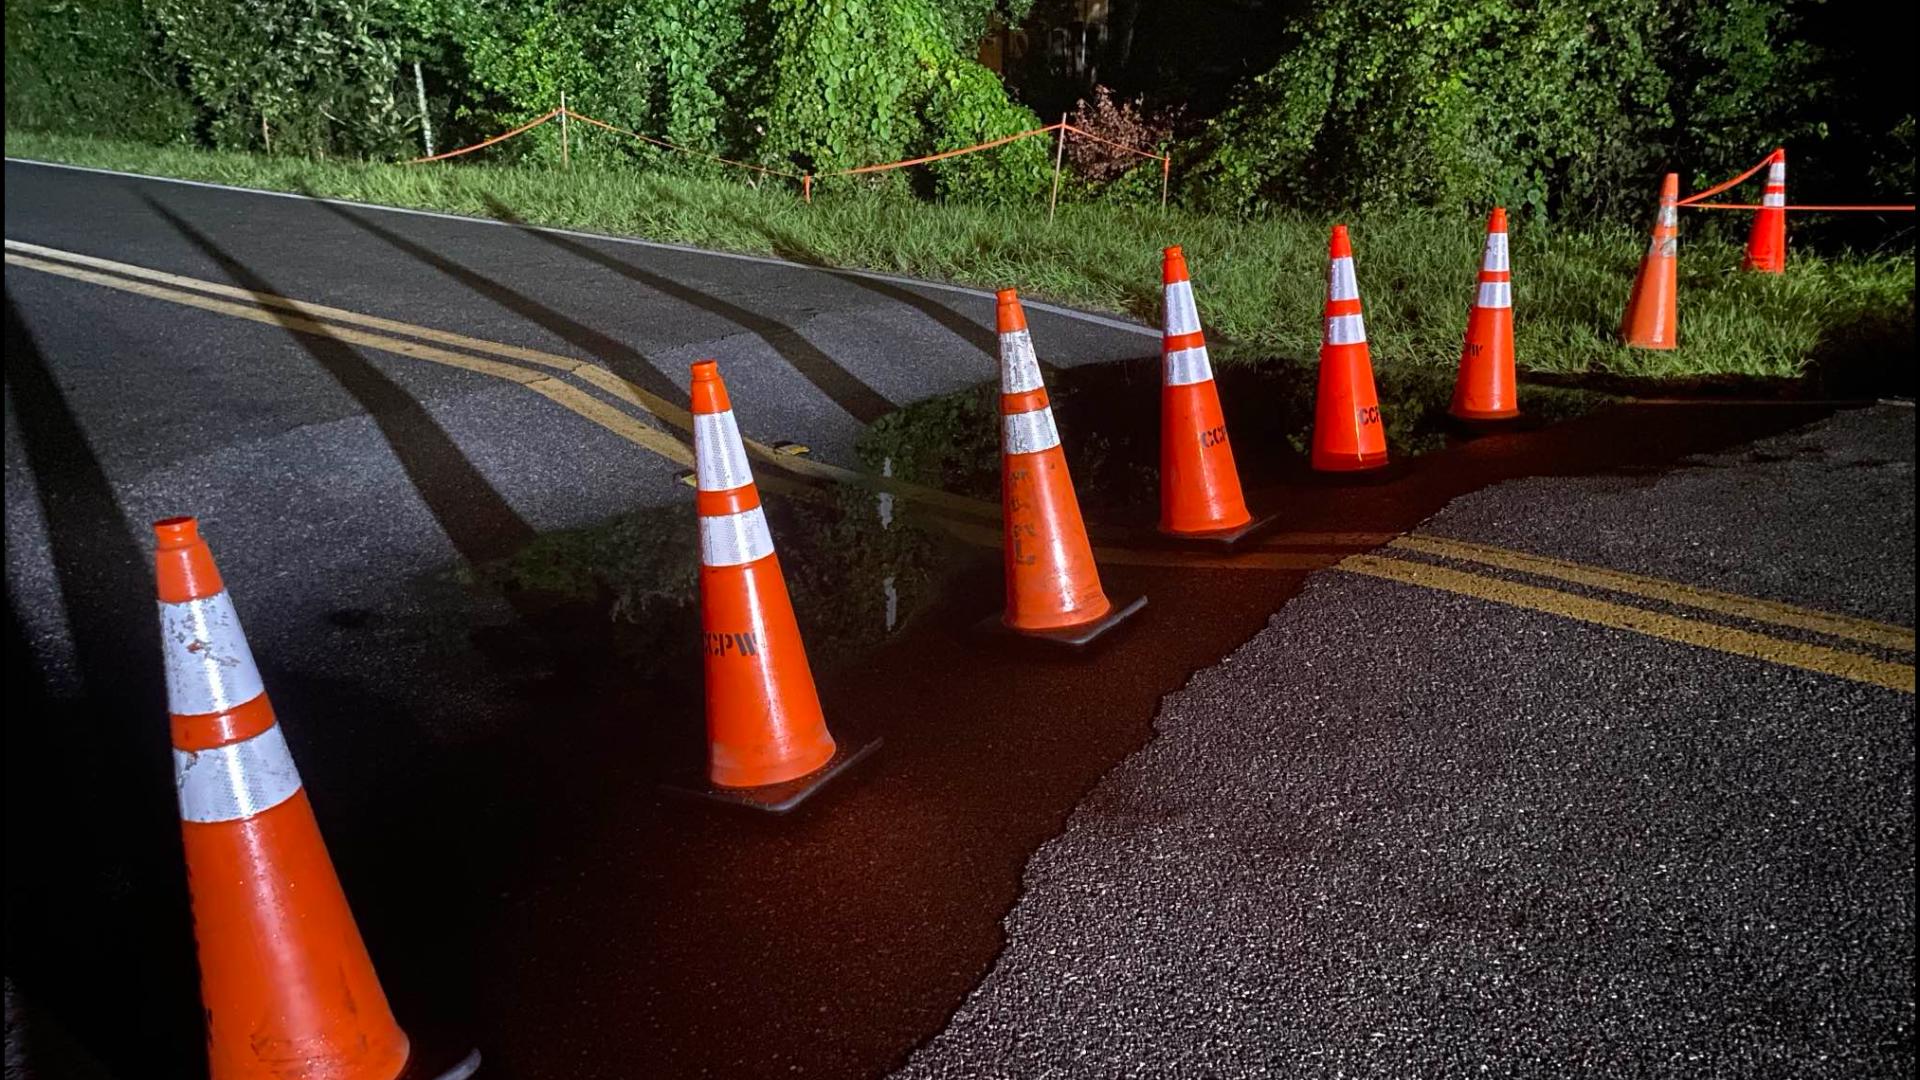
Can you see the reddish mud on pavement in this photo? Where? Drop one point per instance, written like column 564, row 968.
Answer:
column 634, row 936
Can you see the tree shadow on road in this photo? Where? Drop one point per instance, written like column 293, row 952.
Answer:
column 860, row 401
column 474, row 516
column 790, row 247
column 627, row 361
column 96, row 900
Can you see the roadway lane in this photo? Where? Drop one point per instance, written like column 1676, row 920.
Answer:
column 1409, row 832
column 345, row 491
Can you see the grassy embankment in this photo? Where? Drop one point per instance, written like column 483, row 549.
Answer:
column 1260, row 282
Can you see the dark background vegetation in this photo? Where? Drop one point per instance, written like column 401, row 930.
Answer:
column 1560, row 110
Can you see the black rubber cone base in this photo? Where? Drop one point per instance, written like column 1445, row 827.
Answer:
column 1220, row 538
column 1071, row 637
column 776, row 798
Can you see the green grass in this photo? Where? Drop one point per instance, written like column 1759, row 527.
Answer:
column 1260, row 282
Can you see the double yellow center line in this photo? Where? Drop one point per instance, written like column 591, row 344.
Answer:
column 1844, row 661
column 664, row 428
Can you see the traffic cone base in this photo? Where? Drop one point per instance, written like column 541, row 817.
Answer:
column 782, row 797
column 1221, row 538
column 1077, row 636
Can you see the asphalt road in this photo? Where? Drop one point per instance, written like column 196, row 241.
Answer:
column 1406, row 832
column 486, row 767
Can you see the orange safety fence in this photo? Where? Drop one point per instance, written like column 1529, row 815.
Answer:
column 806, row 179
column 684, row 149
column 1693, row 202
column 883, row 167
column 502, row 137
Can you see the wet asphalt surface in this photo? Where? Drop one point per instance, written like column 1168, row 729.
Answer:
column 1406, row 833
column 485, row 763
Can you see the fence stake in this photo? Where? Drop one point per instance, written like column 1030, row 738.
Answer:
column 1166, row 170
column 1059, row 148
column 806, row 187
column 265, row 135
column 566, row 159
column 420, row 89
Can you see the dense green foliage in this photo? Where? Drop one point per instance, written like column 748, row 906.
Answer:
column 798, row 85
column 1556, row 107
column 92, row 68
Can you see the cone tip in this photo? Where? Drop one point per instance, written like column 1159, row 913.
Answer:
column 176, row 532
column 1173, row 252
column 1007, row 296
column 1497, row 221
column 1340, row 247
column 705, row 370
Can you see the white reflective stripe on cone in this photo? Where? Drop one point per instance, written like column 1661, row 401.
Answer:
column 1669, row 216
column 1774, row 198
column 720, row 458
column 236, row 781
column 1187, row 366
column 1777, row 173
column 208, row 665
column 1346, row 330
column 1496, row 294
column 733, row 539
column 1029, row 432
column 1019, row 367
column 1341, row 285
column 1182, row 316
column 1496, row 256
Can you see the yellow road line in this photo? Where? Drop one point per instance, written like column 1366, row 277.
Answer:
column 1726, row 639
column 594, row 374
column 562, row 394
column 1884, row 635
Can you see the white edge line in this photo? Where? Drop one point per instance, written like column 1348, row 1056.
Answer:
column 764, row 260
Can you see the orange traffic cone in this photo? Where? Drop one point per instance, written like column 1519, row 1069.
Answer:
column 1484, row 389
column 1053, row 586
column 286, row 981
column 1200, row 495
column 1653, row 309
column 767, row 741
column 1767, row 243
column 1347, row 432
